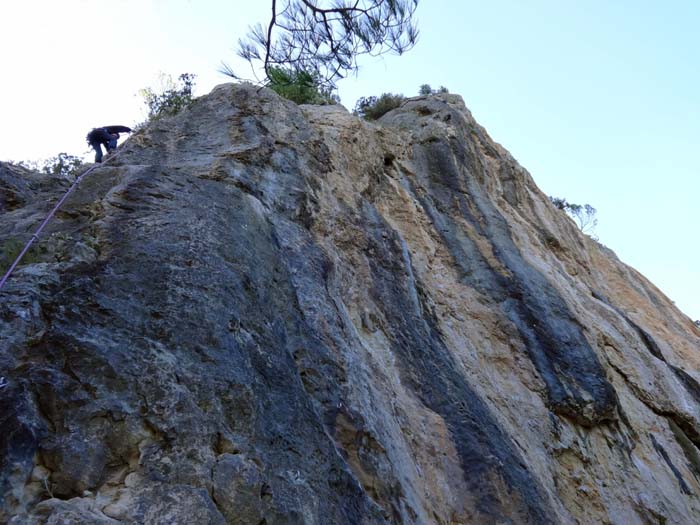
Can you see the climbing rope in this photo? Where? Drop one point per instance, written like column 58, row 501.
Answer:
column 36, row 234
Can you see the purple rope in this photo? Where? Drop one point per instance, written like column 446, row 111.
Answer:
column 36, row 234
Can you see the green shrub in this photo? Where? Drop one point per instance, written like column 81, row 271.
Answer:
column 173, row 97
column 425, row 89
column 371, row 108
column 63, row 165
column 299, row 86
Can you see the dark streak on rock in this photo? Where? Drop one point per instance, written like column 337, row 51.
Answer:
column 662, row 452
column 691, row 384
column 485, row 450
column 647, row 339
column 576, row 382
column 18, row 439
column 689, row 449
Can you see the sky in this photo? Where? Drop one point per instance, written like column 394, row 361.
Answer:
column 598, row 100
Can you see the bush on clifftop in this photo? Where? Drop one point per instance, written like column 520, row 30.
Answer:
column 172, row 98
column 372, row 108
column 300, row 87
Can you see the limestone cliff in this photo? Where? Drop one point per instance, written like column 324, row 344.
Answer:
column 260, row 313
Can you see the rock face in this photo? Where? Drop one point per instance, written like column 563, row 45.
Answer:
column 260, row 313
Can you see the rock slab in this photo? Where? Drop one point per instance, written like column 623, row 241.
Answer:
column 266, row 313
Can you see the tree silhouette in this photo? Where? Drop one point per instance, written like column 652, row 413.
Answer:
column 583, row 214
column 325, row 37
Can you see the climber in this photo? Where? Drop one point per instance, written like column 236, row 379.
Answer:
column 107, row 136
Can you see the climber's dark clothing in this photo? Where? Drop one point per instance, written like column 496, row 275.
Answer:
column 99, row 137
column 117, row 129
column 106, row 136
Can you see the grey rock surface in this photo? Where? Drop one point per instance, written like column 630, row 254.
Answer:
column 265, row 313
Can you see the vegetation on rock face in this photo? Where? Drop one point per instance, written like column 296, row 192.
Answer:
column 172, row 98
column 371, row 108
column 10, row 249
column 62, row 165
column 327, row 36
column 300, row 87
column 425, row 89
column 583, row 214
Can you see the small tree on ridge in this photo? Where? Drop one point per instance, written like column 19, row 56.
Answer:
column 583, row 214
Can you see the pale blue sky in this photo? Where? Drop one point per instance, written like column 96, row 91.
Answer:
column 599, row 100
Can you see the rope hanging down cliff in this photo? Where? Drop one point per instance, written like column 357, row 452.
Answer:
column 36, row 234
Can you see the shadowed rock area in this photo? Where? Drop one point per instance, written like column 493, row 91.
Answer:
column 263, row 313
